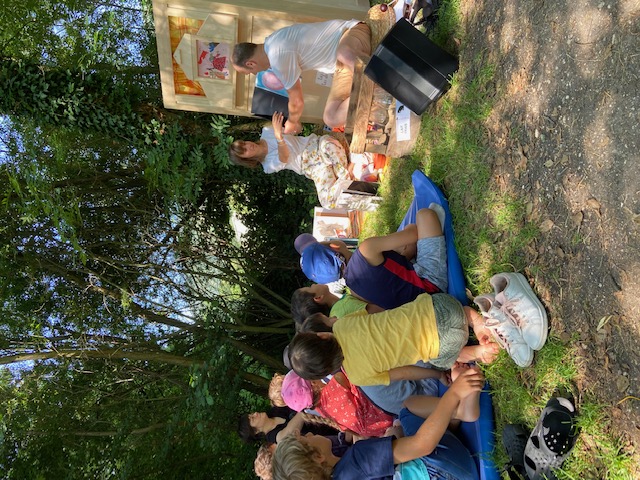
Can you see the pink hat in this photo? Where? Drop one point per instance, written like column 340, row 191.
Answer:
column 296, row 392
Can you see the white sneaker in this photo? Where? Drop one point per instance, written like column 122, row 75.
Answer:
column 520, row 303
column 504, row 331
column 439, row 209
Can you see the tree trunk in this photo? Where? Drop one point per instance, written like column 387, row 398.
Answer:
column 104, row 353
column 258, row 355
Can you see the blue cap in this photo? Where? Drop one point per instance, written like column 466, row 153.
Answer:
column 320, row 263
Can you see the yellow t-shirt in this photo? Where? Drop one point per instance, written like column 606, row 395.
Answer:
column 374, row 344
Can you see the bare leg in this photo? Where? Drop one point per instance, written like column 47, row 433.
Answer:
column 428, row 223
column 335, row 112
column 421, row 405
column 409, row 251
column 356, row 43
column 469, row 408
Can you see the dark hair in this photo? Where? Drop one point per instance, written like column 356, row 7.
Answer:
column 238, row 148
column 242, row 53
column 313, row 357
column 303, row 305
column 315, row 323
column 247, row 433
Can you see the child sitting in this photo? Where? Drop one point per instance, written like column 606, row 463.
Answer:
column 431, row 452
column 321, row 159
column 383, row 347
column 338, row 400
column 380, row 270
column 262, row 463
column 317, row 298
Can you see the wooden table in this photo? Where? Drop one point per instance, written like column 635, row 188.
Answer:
column 356, row 127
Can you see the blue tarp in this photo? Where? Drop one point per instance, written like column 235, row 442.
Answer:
column 479, row 436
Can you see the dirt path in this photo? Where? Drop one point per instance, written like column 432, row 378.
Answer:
column 566, row 137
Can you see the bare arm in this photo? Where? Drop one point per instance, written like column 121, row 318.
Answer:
column 283, row 149
column 372, row 248
column 413, row 372
column 431, row 431
column 294, row 424
column 296, row 106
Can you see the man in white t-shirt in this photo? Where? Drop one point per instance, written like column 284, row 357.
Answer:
column 329, row 47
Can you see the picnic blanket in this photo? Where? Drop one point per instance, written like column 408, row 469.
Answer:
column 479, row 436
column 426, row 192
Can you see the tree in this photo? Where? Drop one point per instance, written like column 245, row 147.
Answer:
column 133, row 317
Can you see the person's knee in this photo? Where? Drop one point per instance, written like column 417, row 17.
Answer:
column 426, row 216
column 428, row 223
column 333, row 119
column 355, row 44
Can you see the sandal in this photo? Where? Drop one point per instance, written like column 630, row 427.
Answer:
column 552, row 439
column 514, row 439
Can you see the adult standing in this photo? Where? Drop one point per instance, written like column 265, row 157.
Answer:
column 330, row 47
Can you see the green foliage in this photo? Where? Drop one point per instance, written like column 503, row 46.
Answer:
column 219, row 126
column 174, row 166
column 116, row 252
column 109, row 420
column 78, row 33
column 88, row 100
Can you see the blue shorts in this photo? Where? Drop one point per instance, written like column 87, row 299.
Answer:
column 431, row 261
column 450, row 460
column 390, row 398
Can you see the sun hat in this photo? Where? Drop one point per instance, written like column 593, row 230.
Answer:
column 320, row 263
column 302, row 241
column 296, row 392
column 380, row 20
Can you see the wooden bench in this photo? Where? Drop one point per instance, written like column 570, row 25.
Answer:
column 360, row 102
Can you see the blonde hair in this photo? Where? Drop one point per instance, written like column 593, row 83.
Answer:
column 275, row 393
column 293, row 460
column 275, row 390
column 262, row 463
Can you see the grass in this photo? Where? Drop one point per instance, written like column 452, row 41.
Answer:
column 491, row 236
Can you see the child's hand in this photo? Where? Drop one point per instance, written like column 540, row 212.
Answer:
column 458, row 368
column 445, row 378
column 469, row 381
column 488, row 352
column 395, row 429
column 338, row 246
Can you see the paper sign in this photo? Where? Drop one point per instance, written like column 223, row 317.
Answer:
column 403, row 122
column 324, row 79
